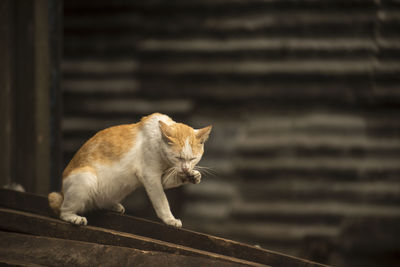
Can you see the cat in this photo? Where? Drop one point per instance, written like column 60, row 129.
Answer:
column 156, row 153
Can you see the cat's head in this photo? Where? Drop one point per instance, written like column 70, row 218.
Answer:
column 182, row 145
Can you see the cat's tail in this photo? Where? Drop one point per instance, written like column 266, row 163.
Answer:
column 55, row 201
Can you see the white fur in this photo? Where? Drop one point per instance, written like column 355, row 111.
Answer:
column 145, row 164
column 187, row 151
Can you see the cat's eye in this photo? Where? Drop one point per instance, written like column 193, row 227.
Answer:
column 182, row 159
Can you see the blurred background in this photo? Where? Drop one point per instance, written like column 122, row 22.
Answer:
column 303, row 95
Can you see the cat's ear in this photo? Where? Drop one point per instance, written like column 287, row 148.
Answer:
column 166, row 132
column 203, row 134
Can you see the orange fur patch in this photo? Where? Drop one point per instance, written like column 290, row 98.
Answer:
column 105, row 147
column 178, row 133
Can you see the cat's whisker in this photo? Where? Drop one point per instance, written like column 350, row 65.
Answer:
column 171, row 172
column 203, row 167
column 205, row 170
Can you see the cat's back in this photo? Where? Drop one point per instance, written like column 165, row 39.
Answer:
column 110, row 145
column 151, row 122
column 105, row 147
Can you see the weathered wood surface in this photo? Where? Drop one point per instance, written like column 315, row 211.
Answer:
column 29, row 223
column 26, row 250
column 145, row 228
column 14, row 263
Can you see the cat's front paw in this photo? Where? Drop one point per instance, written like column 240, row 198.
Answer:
column 195, row 177
column 173, row 222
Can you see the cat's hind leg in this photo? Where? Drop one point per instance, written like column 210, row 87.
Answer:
column 73, row 218
column 77, row 189
column 117, row 208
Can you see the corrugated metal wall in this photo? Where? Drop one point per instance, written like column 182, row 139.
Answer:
column 303, row 95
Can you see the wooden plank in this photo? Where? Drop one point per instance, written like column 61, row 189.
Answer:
column 22, row 249
column 14, row 263
column 29, row 223
column 138, row 226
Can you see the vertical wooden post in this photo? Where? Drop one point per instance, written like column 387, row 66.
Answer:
column 29, row 93
column 55, row 42
column 6, row 20
column 42, row 96
column 24, row 101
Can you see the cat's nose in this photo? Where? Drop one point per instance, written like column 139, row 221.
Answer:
column 185, row 168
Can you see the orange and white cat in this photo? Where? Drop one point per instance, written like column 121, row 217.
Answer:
column 156, row 153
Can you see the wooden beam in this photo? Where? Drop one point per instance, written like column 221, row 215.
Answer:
column 42, row 96
column 24, row 93
column 21, row 249
column 25, row 202
column 138, row 226
column 29, row 81
column 29, row 223
column 55, row 18
column 6, row 137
